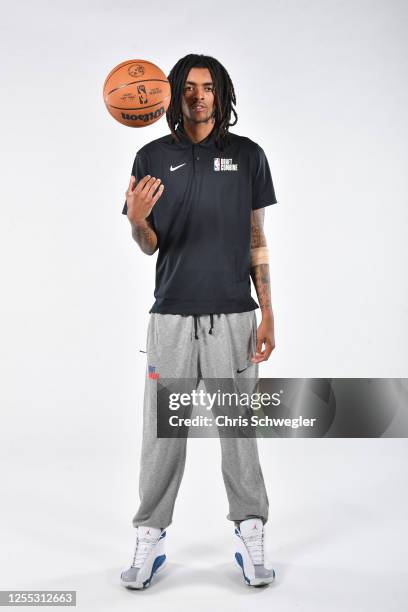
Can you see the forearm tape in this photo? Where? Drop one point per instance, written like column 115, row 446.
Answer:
column 259, row 256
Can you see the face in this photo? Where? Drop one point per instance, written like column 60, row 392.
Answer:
column 198, row 96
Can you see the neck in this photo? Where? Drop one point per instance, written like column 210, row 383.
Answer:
column 198, row 131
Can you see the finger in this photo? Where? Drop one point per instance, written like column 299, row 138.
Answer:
column 158, row 194
column 132, row 183
column 259, row 353
column 258, row 359
column 152, row 186
column 142, row 183
column 268, row 350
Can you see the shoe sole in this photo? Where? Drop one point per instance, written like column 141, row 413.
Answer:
column 133, row 586
column 255, row 581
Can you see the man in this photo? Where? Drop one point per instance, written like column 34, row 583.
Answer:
column 197, row 196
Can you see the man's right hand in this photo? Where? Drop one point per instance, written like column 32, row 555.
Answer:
column 140, row 199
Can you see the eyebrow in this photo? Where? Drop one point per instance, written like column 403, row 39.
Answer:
column 193, row 83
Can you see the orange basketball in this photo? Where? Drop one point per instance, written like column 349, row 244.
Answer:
column 136, row 93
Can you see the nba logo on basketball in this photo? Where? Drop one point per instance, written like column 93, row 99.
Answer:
column 141, row 90
column 217, row 163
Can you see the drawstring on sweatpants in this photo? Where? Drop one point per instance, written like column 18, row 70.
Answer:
column 195, row 325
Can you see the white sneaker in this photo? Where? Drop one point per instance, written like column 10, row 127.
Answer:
column 249, row 553
column 148, row 560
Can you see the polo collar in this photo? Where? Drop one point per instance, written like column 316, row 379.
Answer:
column 185, row 140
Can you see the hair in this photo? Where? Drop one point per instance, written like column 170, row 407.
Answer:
column 224, row 95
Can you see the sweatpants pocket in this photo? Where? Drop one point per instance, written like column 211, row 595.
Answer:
column 151, row 338
column 254, row 332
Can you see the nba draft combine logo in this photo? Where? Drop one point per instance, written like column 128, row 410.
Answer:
column 152, row 372
column 224, row 164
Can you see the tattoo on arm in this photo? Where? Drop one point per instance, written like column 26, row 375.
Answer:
column 260, row 273
column 257, row 234
column 146, row 237
column 260, row 276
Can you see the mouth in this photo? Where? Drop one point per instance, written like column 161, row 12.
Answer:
column 198, row 108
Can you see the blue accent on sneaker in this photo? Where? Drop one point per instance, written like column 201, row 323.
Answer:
column 156, row 564
column 240, row 562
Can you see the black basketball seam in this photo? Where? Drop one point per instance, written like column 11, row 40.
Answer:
column 133, row 83
column 137, row 107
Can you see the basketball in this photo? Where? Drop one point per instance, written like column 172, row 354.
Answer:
column 136, row 93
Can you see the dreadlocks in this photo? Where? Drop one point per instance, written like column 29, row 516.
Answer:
column 224, row 95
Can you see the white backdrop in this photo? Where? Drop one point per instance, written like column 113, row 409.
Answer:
column 321, row 86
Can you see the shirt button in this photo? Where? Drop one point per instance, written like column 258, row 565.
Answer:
column 197, row 158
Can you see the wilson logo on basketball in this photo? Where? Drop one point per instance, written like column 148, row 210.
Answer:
column 146, row 117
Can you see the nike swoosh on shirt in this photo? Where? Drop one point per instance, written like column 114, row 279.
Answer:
column 176, row 167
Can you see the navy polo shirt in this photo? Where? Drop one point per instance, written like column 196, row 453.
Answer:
column 203, row 220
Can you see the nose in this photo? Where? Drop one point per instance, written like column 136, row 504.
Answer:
column 199, row 94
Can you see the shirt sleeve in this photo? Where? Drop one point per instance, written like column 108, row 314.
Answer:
column 263, row 191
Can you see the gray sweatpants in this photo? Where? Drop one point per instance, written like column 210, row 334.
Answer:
column 182, row 346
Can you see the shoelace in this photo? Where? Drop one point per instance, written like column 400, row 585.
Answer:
column 255, row 546
column 143, row 547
